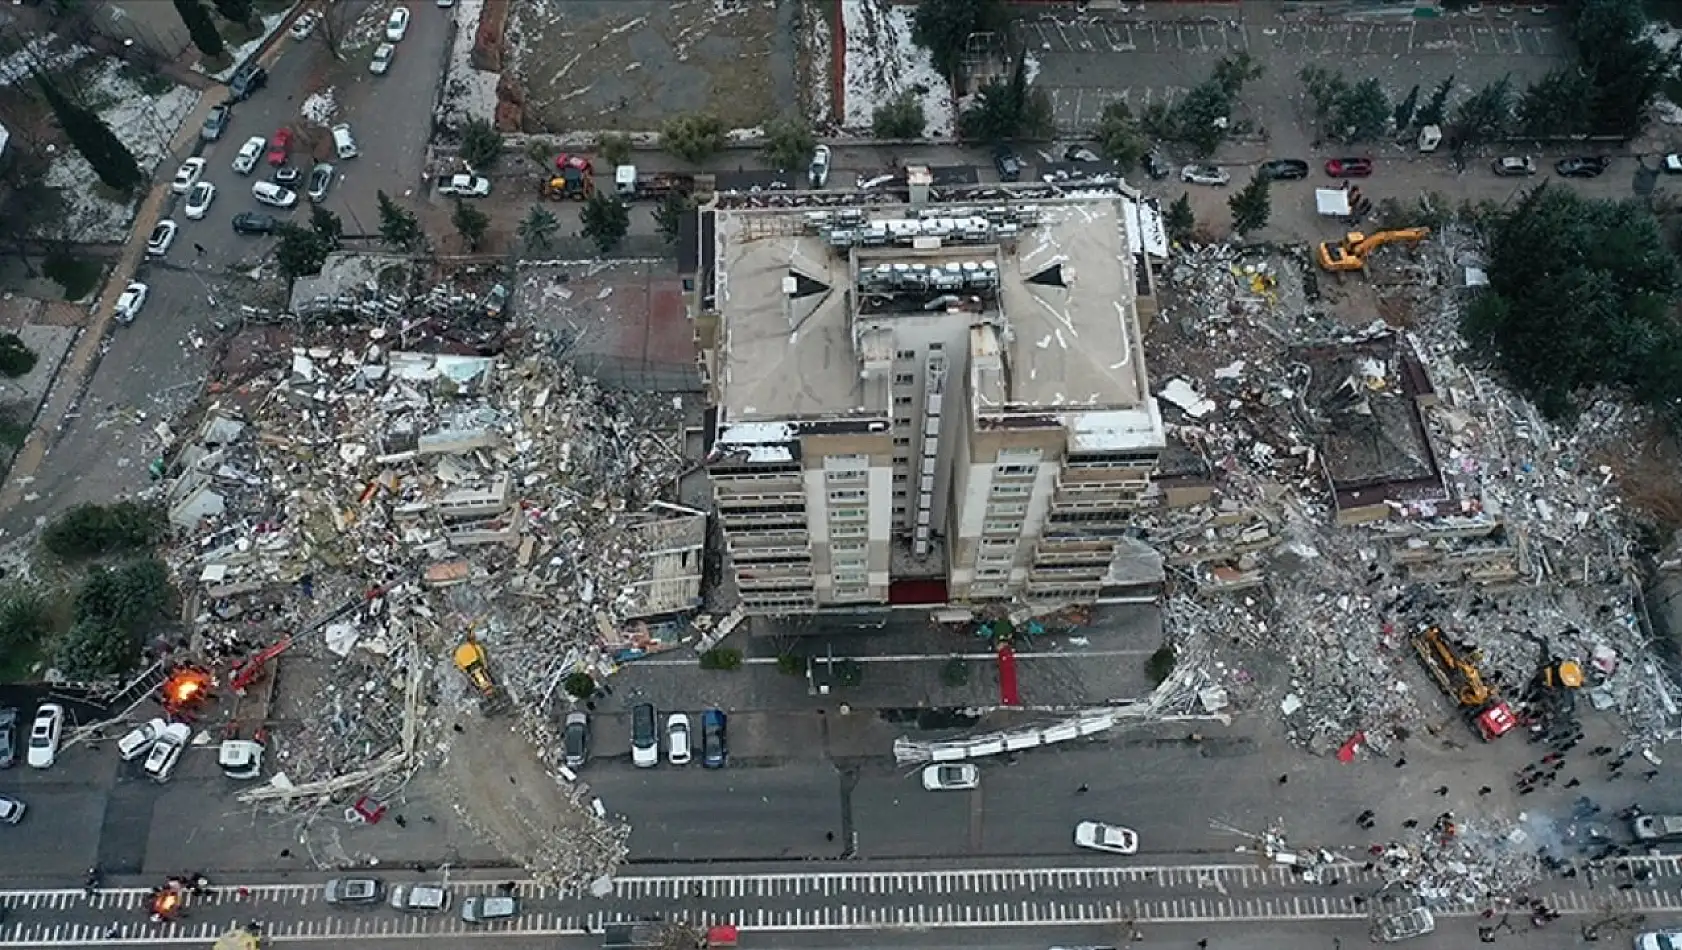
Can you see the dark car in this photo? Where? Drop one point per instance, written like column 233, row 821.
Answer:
column 216, row 122
column 1156, row 166
column 8, row 737
column 1588, row 166
column 251, row 222
column 1283, row 169
column 246, row 81
column 1349, row 167
column 1009, row 166
column 715, row 741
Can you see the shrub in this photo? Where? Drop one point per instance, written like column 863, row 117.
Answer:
column 721, row 658
column 791, row 665
column 23, row 617
column 579, row 684
column 92, row 530
column 481, row 144
column 693, row 137
column 899, row 118
column 614, row 149
column 955, row 672
column 849, row 673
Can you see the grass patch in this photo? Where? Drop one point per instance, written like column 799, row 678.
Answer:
column 76, row 276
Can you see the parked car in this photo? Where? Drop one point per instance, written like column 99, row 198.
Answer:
column 269, row 193
column 304, row 25
column 397, row 24
column 139, row 740
column 1657, row 827
column 166, row 752
column 420, row 898
column 321, row 180
column 817, row 175
column 1205, row 175
column 575, row 740
column 216, row 122
column 254, row 222
column 287, row 175
column 1584, row 166
column 951, row 777
column 249, row 154
column 162, row 236
column 245, row 82
column 11, row 810
column 1098, row 836
column 1513, row 166
column 187, row 175
column 1080, row 153
column 1349, row 167
column 677, row 739
column 466, row 186
column 645, row 737
column 8, row 737
column 1659, row 940
column 280, row 146
column 1673, row 164
column 1156, row 166
column 381, row 62
column 1404, row 926
column 715, row 739
column 481, row 910
column 1007, row 163
column 198, row 201
column 44, row 735
column 353, row 891
column 131, row 300
column 240, row 759
column 1283, row 169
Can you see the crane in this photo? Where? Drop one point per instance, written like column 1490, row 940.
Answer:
column 247, row 671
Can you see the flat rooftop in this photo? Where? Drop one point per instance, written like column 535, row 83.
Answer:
column 1066, row 289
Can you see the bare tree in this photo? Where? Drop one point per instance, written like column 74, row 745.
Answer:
column 337, row 20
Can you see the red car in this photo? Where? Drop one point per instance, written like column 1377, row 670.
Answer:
column 279, row 145
column 565, row 161
column 1349, row 167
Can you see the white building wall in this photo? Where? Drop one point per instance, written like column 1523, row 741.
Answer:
column 817, row 506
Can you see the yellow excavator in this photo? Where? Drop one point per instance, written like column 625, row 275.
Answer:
column 471, row 660
column 1352, row 253
column 1455, row 669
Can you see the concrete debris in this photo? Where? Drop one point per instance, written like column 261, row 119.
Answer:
column 1344, row 484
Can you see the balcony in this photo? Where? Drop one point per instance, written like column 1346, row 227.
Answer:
column 745, row 583
column 757, row 499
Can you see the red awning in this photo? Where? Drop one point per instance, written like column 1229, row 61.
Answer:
column 1008, row 694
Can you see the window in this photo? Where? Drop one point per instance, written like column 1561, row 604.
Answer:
column 847, row 514
column 902, row 422
column 1001, row 527
column 937, row 346
column 899, row 511
column 1009, row 470
column 847, row 531
column 841, row 477
column 904, row 379
column 840, row 546
column 902, row 440
column 1004, row 544
column 993, row 572
column 1018, row 455
column 902, row 400
column 849, row 578
column 848, row 494
column 1014, row 509
column 906, row 355
column 1000, row 491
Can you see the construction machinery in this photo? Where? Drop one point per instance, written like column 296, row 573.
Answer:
column 471, row 660
column 1552, row 695
column 574, row 179
column 1455, row 668
column 1352, row 253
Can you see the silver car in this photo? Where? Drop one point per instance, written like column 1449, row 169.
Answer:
column 353, row 891
column 1205, row 175
column 11, row 810
column 321, row 179
column 481, row 910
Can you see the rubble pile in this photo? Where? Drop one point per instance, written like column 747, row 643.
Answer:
column 1459, row 864
column 1330, row 488
column 373, row 509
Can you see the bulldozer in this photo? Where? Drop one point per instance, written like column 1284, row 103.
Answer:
column 1455, row 668
column 571, row 182
column 1352, row 253
column 471, row 660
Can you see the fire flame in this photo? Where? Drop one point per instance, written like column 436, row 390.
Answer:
column 166, row 902
column 186, row 686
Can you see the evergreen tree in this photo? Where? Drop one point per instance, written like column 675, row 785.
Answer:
column 605, row 221
column 1179, row 221
column 398, row 226
column 234, row 11
column 200, row 27
column 1251, row 206
column 88, row 133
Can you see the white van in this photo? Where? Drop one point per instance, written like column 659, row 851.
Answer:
column 343, row 144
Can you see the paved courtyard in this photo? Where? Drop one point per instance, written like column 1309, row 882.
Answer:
column 1087, row 61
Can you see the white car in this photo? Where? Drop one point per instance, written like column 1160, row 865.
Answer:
column 677, row 739
column 140, row 740
column 11, row 810
column 1101, row 837
column 397, row 24
column 1409, row 924
column 304, row 25
column 1673, row 164
column 950, row 777
column 818, row 174
column 1205, row 175
column 382, row 59
column 132, row 299
column 1659, row 940
column 44, row 736
column 166, row 752
column 240, row 759
column 269, row 193
column 187, row 175
column 466, row 186
column 163, row 235
column 199, row 199
column 250, row 154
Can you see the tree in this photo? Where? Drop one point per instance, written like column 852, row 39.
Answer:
column 471, row 223
column 1251, row 206
column 398, row 226
column 670, row 212
column 335, row 26
column 234, row 11
column 87, row 531
column 789, row 143
column 1179, row 221
column 899, row 118
column 93, row 139
column 481, row 144
column 1233, row 72
column 1625, row 66
column 694, row 137
column 538, row 228
column 943, row 27
column 1363, row 112
column 114, row 610
column 1005, row 110
column 200, row 27
column 1325, row 89
column 1436, row 108
column 24, row 617
column 579, row 684
column 327, row 226
column 615, row 149
column 1405, row 109
column 1554, row 104
column 16, row 359
column 1119, row 137
column 1486, row 116
column 299, row 252
column 605, row 220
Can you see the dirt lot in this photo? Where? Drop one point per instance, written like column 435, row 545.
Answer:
column 631, row 64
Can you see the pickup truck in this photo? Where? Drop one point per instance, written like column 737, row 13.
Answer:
column 466, row 186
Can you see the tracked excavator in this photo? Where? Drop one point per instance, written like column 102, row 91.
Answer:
column 1351, row 253
column 1455, row 668
column 1553, row 690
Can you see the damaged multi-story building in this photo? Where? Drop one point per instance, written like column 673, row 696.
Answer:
column 939, row 399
